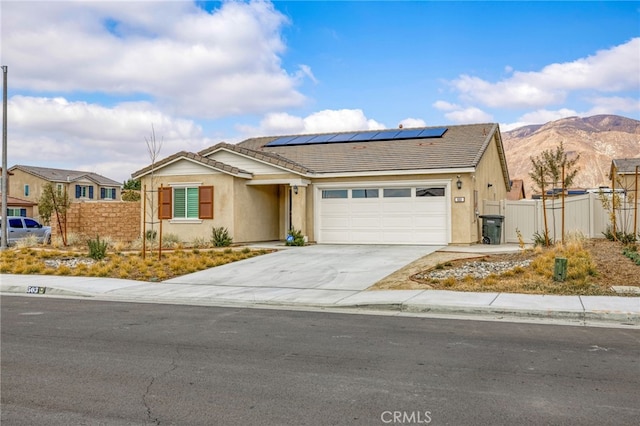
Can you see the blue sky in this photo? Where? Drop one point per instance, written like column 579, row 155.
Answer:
column 87, row 80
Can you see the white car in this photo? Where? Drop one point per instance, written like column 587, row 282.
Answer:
column 21, row 227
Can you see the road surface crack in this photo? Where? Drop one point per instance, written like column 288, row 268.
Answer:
column 145, row 398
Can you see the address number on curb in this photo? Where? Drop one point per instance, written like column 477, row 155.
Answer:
column 33, row 289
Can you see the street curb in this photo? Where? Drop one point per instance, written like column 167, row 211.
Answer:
column 622, row 317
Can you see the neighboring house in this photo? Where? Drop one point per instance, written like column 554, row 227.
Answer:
column 27, row 182
column 401, row 186
column 625, row 169
column 19, row 207
column 517, row 190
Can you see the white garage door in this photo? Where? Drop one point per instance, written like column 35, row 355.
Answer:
column 407, row 215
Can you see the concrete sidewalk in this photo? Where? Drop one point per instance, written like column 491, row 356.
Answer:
column 622, row 310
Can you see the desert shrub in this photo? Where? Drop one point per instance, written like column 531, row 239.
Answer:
column 220, row 237
column 623, row 237
column 295, row 238
column 540, row 240
column 171, row 241
column 199, row 242
column 28, row 241
column 97, row 248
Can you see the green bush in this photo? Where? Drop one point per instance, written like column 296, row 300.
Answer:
column 295, row 238
column 623, row 237
column 539, row 239
column 97, row 248
column 220, row 237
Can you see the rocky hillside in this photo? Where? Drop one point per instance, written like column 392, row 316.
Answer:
column 597, row 139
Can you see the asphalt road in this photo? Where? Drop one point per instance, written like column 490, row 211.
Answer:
column 75, row 362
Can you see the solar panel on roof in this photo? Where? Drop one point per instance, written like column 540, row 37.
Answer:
column 343, row 137
column 281, row 141
column 396, row 134
column 408, row 134
column 387, row 135
column 435, row 132
column 300, row 140
column 322, row 138
column 363, row 136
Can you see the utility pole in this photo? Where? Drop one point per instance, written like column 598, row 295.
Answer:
column 3, row 212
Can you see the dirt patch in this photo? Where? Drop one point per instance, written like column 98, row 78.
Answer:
column 610, row 268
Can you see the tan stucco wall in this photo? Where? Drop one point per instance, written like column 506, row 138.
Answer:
column 256, row 212
column 489, row 171
column 189, row 230
column 16, row 187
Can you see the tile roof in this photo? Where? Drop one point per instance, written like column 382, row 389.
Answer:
column 191, row 156
column 461, row 146
column 62, row 175
column 268, row 157
column 14, row 201
column 626, row 165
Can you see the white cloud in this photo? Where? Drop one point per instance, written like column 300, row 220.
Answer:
column 460, row 114
column 469, row 115
column 613, row 105
column 607, row 71
column 342, row 120
column 188, row 60
column 54, row 132
column 408, row 123
column 446, row 106
column 540, row 116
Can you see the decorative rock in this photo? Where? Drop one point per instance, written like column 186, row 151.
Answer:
column 70, row 262
column 475, row 269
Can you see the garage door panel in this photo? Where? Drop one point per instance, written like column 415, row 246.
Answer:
column 367, row 222
column 365, row 236
column 390, row 220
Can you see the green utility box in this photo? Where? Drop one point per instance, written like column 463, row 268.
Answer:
column 491, row 228
column 560, row 269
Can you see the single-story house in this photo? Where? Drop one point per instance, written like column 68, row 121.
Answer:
column 28, row 182
column 399, row 186
column 625, row 169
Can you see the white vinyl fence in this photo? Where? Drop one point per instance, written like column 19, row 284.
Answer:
column 584, row 214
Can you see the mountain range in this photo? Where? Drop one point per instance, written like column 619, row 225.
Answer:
column 597, row 139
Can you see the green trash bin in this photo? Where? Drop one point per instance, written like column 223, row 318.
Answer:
column 491, row 228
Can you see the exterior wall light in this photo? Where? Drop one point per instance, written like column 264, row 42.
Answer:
column 489, row 185
column 295, row 189
column 459, row 182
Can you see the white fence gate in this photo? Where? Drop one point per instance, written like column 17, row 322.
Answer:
column 584, row 214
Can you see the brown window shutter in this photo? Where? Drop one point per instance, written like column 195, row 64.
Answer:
column 205, row 198
column 164, row 204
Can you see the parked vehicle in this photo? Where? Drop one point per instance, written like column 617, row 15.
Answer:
column 22, row 227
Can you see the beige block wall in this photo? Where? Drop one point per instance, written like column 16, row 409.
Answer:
column 115, row 219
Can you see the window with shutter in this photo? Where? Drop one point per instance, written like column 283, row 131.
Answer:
column 164, row 209
column 206, row 202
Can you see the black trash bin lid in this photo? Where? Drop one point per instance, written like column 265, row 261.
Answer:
column 491, row 216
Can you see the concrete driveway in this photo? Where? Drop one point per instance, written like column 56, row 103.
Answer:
column 322, row 267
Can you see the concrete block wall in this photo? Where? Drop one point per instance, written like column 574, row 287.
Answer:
column 119, row 220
